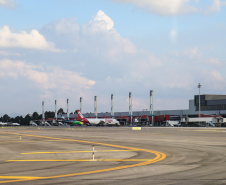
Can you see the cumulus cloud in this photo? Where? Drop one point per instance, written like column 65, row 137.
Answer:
column 215, row 78
column 120, row 66
column 215, row 6
column 192, row 52
column 32, row 40
column 214, row 61
column 174, row 7
column 9, row 3
column 97, row 57
column 46, row 79
column 163, row 7
column 101, row 22
column 97, row 37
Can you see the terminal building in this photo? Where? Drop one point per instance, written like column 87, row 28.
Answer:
column 210, row 112
column 211, row 107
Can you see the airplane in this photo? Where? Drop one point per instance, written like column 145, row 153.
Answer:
column 3, row 124
column 15, row 124
column 72, row 122
column 97, row 121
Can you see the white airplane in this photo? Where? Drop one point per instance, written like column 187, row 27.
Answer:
column 15, row 124
column 97, row 121
column 3, row 124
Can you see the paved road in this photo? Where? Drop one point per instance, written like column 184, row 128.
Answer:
column 31, row 155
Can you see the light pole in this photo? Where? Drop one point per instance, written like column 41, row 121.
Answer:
column 199, row 86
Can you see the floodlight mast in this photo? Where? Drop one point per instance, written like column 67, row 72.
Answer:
column 151, row 107
column 95, row 106
column 112, row 105
column 68, row 109
column 199, row 86
column 56, row 110
column 43, row 112
column 80, row 104
column 130, row 108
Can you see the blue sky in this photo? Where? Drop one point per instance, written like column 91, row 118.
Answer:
column 59, row 49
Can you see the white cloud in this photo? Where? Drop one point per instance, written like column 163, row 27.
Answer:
column 214, row 80
column 214, row 61
column 32, row 40
column 101, row 22
column 174, row 7
column 116, row 60
column 217, row 76
column 215, row 7
column 98, row 37
column 113, row 63
column 51, row 79
column 192, row 53
column 163, row 7
column 65, row 26
column 9, row 3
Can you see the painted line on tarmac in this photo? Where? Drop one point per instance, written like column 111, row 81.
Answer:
column 66, row 152
column 75, row 160
column 159, row 156
column 16, row 177
column 25, row 141
column 210, row 130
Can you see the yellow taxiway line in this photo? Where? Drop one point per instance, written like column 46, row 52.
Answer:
column 65, row 152
column 159, row 156
column 25, row 141
column 16, row 177
column 74, row 160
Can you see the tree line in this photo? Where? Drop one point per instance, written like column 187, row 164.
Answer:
column 30, row 117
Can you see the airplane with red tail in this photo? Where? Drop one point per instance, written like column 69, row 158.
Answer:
column 97, row 121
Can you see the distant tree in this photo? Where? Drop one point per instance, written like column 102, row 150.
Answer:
column 60, row 111
column 35, row 116
column 5, row 118
column 49, row 114
column 16, row 119
column 40, row 116
column 26, row 120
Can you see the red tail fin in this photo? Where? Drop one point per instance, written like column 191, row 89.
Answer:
column 81, row 117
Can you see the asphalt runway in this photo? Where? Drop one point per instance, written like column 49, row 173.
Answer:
column 112, row 155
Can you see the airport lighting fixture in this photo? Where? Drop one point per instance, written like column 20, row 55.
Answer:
column 56, row 109
column 43, row 112
column 199, row 86
column 151, row 107
column 95, row 106
column 130, row 108
column 80, row 104
column 68, row 109
column 112, row 105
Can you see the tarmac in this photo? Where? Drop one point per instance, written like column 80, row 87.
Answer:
column 112, row 155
